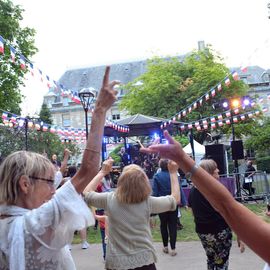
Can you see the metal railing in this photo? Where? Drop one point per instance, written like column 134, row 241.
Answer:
column 255, row 188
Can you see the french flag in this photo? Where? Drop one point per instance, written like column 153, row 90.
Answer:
column 41, row 77
column 213, row 125
column 1, row 45
column 235, row 76
column 213, row 92
column 227, row 81
column 48, row 81
column 235, row 120
column 22, row 62
column 13, row 118
column 4, row 115
column 219, row 87
column 31, row 69
column 206, row 96
column 75, row 98
column 244, row 69
column 12, row 54
column 45, row 128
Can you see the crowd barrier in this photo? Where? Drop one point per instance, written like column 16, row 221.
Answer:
column 243, row 189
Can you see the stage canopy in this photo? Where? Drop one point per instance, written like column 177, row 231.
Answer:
column 139, row 125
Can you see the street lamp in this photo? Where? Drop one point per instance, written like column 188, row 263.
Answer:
column 86, row 96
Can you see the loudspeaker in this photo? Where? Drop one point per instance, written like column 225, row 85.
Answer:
column 217, row 152
column 237, row 149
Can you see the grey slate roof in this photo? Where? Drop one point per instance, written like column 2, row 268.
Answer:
column 77, row 79
column 253, row 75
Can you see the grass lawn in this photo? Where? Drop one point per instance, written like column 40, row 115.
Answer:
column 186, row 234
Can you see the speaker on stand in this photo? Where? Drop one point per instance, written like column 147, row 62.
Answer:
column 217, row 152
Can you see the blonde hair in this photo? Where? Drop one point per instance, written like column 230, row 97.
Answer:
column 133, row 185
column 209, row 165
column 16, row 165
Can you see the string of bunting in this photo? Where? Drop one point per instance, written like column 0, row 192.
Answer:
column 52, row 84
column 209, row 94
column 221, row 118
column 214, row 122
column 72, row 134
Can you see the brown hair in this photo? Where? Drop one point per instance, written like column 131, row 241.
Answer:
column 163, row 164
column 133, row 185
column 209, row 165
column 16, row 165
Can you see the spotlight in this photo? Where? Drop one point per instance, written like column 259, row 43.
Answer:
column 235, row 103
column 225, row 104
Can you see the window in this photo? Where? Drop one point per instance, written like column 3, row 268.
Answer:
column 116, row 116
column 66, row 120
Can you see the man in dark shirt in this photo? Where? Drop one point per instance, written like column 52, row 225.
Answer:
column 250, row 171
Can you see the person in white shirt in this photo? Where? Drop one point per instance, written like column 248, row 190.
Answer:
column 36, row 221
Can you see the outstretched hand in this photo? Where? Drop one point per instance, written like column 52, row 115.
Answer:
column 107, row 94
column 173, row 150
column 106, row 167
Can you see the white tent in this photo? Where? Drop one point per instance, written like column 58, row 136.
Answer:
column 199, row 151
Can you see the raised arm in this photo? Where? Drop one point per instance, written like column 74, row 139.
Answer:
column 91, row 156
column 175, row 189
column 249, row 227
column 65, row 161
column 105, row 169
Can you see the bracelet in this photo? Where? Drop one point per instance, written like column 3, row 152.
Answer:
column 194, row 168
column 91, row 150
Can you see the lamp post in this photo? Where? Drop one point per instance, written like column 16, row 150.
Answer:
column 86, row 96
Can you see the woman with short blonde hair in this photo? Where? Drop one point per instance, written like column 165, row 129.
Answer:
column 133, row 185
column 128, row 209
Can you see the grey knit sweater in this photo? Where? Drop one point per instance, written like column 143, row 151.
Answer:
column 130, row 240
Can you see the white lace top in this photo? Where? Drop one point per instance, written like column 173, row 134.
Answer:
column 36, row 239
column 129, row 235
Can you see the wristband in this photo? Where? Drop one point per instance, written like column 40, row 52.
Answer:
column 194, row 168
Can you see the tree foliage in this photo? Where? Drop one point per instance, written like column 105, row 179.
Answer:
column 22, row 39
column 259, row 138
column 170, row 85
column 45, row 114
column 14, row 139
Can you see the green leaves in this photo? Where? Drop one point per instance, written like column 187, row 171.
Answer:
column 22, row 39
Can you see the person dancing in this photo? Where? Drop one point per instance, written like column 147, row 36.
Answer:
column 36, row 221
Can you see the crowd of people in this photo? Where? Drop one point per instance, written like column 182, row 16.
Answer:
column 40, row 210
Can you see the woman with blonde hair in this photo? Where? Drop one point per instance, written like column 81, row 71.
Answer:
column 36, row 221
column 128, row 209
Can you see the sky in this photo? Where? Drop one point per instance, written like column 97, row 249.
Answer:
column 84, row 33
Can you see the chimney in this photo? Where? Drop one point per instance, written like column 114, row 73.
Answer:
column 201, row 45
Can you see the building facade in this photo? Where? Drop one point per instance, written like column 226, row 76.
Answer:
column 68, row 114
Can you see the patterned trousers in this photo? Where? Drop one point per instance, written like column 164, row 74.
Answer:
column 217, row 248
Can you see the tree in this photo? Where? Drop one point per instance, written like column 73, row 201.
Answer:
column 22, row 40
column 259, row 139
column 45, row 114
column 170, row 85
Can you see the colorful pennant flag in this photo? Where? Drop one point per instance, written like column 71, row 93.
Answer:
column 1, row 45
